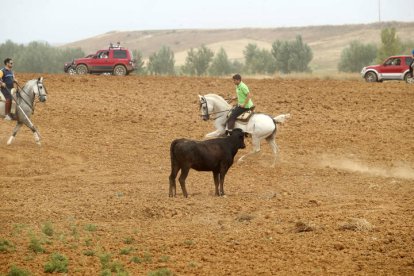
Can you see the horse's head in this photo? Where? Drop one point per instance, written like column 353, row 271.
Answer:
column 205, row 108
column 40, row 90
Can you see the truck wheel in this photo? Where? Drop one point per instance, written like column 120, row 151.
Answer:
column 370, row 77
column 81, row 69
column 119, row 70
column 408, row 78
column 71, row 71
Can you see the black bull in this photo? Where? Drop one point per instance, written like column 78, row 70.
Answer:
column 214, row 155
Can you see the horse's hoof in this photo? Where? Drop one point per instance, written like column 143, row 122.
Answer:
column 10, row 141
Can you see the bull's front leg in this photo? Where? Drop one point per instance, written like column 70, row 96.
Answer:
column 183, row 176
column 172, row 187
column 222, row 175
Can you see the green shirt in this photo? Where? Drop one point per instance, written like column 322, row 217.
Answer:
column 242, row 90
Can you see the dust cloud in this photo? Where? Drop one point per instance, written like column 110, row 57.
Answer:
column 352, row 164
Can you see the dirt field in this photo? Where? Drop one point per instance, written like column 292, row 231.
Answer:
column 339, row 201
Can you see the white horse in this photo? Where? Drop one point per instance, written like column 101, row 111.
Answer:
column 25, row 107
column 260, row 126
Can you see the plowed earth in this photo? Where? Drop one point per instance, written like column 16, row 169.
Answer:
column 340, row 199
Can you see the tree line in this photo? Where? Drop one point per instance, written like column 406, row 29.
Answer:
column 284, row 57
column 38, row 57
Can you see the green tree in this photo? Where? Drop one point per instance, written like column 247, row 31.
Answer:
column 356, row 56
column 197, row 62
column 390, row 44
column 162, row 62
column 258, row 61
column 221, row 64
column 139, row 62
column 292, row 56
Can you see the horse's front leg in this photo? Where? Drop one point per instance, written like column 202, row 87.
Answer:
column 36, row 134
column 15, row 130
column 216, row 133
column 36, row 137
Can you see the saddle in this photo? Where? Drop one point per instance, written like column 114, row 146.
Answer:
column 245, row 116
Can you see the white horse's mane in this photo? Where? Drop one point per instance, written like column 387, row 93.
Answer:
column 217, row 97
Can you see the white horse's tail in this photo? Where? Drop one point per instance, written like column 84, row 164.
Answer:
column 281, row 118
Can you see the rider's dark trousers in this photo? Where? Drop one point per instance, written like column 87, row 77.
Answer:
column 238, row 110
column 7, row 95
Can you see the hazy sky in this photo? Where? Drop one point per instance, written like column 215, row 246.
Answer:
column 58, row 21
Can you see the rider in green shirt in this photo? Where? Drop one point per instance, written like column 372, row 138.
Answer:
column 244, row 101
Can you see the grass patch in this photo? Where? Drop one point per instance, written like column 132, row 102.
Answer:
column 35, row 245
column 188, row 242
column 109, row 266
column 118, row 268
column 16, row 271
column 356, row 224
column 90, row 227
column 74, row 231
column 6, row 246
column 18, row 229
column 244, row 217
column 164, row 259
column 47, row 229
column 57, row 263
column 192, row 264
column 160, row 272
column 88, row 242
column 126, row 251
column 147, row 257
column 302, row 226
column 89, row 252
column 105, row 259
column 128, row 240
column 136, row 260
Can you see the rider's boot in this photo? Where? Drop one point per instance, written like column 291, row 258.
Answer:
column 7, row 110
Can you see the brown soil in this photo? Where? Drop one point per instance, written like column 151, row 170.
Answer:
column 339, row 201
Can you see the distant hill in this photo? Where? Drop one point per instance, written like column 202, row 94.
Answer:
column 326, row 42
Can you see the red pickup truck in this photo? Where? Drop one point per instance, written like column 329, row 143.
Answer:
column 393, row 68
column 115, row 60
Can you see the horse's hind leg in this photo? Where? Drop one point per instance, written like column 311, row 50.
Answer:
column 272, row 142
column 15, row 130
column 256, row 149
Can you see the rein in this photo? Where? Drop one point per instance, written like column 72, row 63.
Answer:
column 204, row 101
column 20, row 97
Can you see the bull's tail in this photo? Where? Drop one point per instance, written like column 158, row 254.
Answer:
column 281, row 118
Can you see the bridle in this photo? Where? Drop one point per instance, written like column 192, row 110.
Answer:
column 31, row 105
column 203, row 101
